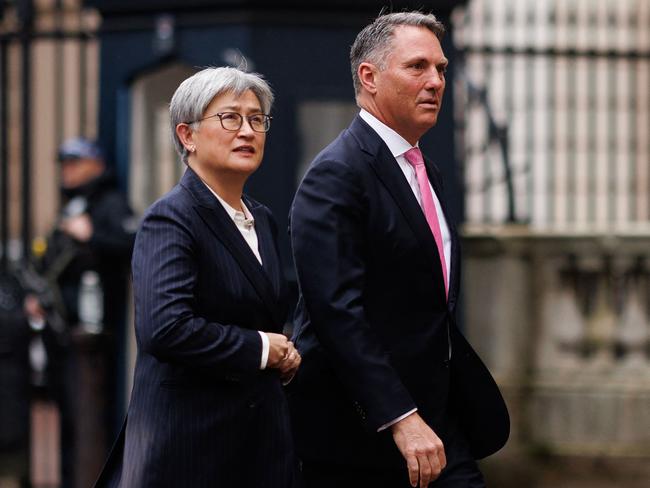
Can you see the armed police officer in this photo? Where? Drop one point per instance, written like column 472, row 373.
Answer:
column 84, row 262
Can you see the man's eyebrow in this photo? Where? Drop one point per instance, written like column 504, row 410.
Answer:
column 416, row 58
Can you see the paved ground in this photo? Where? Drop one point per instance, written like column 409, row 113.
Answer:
column 567, row 472
column 552, row 473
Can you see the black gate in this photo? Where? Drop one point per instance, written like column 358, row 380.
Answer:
column 46, row 70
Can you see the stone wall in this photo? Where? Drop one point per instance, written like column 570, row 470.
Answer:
column 563, row 322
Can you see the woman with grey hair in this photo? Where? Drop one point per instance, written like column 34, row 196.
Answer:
column 207, row 407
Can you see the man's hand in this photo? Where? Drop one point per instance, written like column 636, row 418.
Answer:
column 33, row 309
column 289, row 365
column 79, row 228
column 422, row 449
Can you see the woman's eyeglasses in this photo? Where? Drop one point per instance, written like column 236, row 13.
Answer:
column 232, row 121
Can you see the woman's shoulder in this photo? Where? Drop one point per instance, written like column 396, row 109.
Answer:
column 174, row 202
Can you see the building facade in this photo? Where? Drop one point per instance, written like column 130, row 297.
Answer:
column 553, row 131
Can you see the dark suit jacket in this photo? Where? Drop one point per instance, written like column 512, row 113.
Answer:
column 373, row 324
column 202, row 414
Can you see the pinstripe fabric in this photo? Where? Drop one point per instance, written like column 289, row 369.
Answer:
column 202, row 414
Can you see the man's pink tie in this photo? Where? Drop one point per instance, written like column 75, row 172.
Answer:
column 414, row 157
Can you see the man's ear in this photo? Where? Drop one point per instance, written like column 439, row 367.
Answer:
column 185, row 135
column 367, row 76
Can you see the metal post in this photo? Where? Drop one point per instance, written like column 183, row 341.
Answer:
column 58, row 70
column 26, row 14
column 4, row 162
column 502, row 137
column 83, row 88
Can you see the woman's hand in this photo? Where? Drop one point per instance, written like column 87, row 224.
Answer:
column 283, row 356
column 279, row 347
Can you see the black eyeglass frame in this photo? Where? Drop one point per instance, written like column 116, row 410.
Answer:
column 267, row 119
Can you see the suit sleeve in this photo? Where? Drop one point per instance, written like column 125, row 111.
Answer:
column 167, row 324
column 328, row 224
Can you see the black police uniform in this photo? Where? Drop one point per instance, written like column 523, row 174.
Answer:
column 107, row 253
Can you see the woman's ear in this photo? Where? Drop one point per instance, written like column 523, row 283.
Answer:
column 186, row 136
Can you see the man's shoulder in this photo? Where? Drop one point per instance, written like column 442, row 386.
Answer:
column 348, row 149
column 109, row 205
column 338, row 158
column 110, row 197
column 341, row 145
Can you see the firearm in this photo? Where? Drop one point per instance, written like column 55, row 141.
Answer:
column 39, row 277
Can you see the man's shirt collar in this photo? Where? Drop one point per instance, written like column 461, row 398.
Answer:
column 396, row 143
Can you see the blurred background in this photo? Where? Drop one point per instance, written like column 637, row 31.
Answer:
column 544, row 143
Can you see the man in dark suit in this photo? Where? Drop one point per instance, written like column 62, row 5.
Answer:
column 389, row 393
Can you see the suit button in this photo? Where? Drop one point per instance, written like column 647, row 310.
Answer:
column 446, row 363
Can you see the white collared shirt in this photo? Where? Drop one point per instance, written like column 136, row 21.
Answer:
column 246, row 226
column 245, row 223
column 398, row 146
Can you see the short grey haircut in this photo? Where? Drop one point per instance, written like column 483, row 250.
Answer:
column 373, row 43
column 193, row 96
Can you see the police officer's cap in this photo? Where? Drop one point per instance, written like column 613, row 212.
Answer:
column 79, row 148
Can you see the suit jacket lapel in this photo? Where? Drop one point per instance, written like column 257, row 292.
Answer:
column 266, row 246
column 436, row 183
column 219, row 222
column 388, row 171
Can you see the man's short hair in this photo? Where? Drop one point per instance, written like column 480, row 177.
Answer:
column 193, row 96
column 373, row 43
